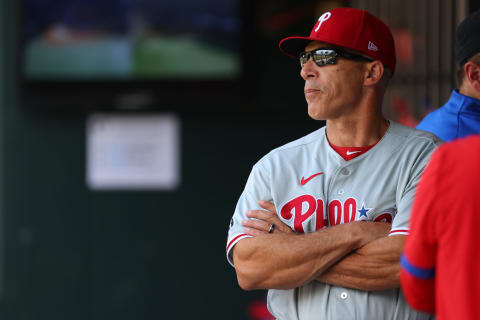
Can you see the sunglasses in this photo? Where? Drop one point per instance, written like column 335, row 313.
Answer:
column 328, row 56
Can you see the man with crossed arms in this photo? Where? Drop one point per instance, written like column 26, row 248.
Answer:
column 328, row 238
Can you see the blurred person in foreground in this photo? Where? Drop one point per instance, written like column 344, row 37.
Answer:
column 460, row 116
column 327, row 239
column 441, row 258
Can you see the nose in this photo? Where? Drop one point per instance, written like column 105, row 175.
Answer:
column 308, row 70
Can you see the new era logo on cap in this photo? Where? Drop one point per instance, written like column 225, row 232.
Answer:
column 371, row 46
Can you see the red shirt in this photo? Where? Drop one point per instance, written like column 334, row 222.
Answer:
column 441, row 260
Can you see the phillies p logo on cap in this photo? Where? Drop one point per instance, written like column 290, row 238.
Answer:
column 323, row 17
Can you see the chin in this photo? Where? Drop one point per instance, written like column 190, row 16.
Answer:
column 318, row 118
column 315, row 114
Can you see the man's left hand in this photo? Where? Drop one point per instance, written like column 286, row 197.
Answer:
column 261, row 221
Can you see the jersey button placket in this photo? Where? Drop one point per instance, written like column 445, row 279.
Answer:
column 343, row 172
column 343, row 295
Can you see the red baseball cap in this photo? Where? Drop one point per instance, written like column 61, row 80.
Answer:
column 348, row 28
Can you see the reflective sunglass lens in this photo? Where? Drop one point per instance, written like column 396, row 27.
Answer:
column 320, row 57
column 323, row 57
column 322, row 60
column 304, row 56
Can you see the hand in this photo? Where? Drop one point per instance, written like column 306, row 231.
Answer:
column 261, row 220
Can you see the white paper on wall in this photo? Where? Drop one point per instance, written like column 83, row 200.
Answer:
column 133, row 152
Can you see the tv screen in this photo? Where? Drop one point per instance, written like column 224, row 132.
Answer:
column 131, row 39
column 131, row 54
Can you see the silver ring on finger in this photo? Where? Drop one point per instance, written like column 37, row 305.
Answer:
column 272, row 227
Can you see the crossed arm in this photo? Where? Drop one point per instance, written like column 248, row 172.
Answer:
column 356, row 255
column 375, row 266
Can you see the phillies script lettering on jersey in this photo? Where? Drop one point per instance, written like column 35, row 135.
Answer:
column 303, row 207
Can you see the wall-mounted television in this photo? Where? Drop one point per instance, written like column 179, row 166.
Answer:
column 130, row 54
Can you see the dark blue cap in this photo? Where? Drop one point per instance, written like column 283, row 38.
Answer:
column 467, row 38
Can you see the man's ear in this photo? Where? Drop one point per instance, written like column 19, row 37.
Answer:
column 373, row 73
column 472, row 73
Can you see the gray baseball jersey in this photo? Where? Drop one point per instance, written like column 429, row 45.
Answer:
column 313, row 187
